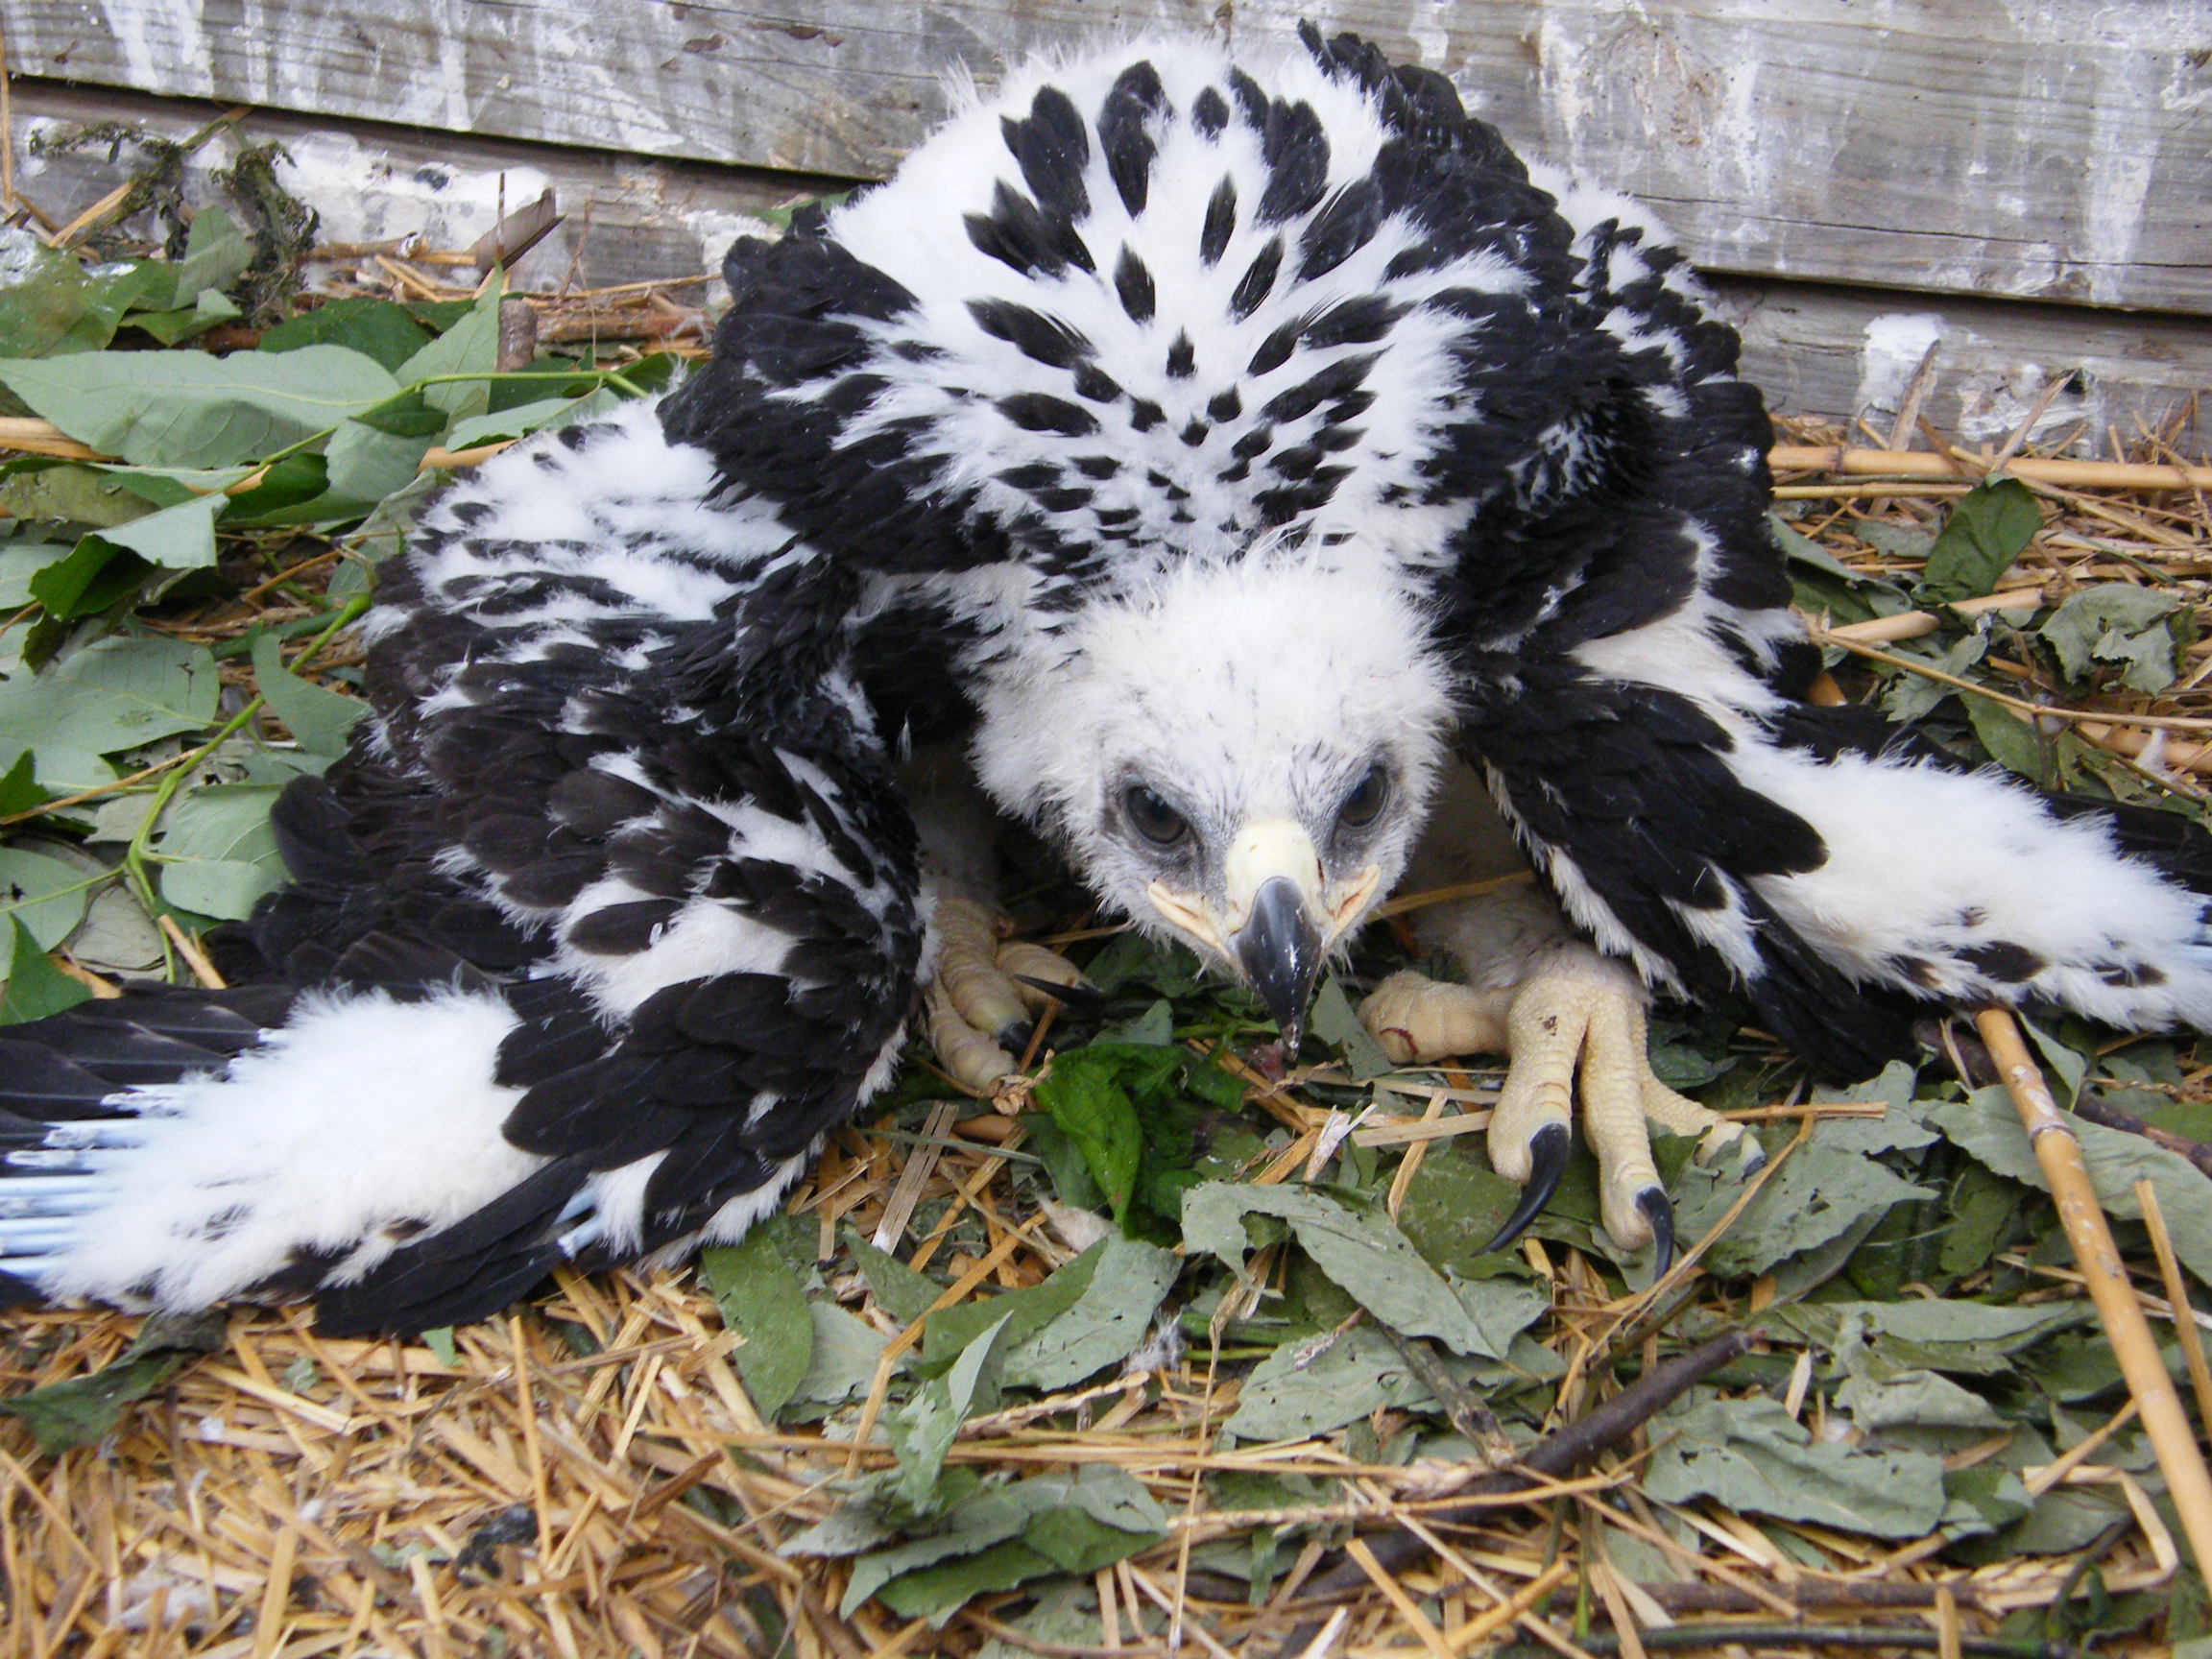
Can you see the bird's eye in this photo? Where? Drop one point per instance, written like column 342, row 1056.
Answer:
column 1367, row 799
column 1152, row 817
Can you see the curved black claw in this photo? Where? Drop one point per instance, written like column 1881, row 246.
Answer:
column 1083, row 998
column 1547, row 1150
column 1660, row 1213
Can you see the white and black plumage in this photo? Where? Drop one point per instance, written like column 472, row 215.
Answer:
column 1239, row 462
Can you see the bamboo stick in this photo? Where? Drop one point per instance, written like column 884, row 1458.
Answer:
column 1913, row 624
column 2125, row 1328
column 1963, row 463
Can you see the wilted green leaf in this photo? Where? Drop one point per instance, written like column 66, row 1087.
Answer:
column 83, row 1411
column 1754, row 1458
column 81, row 495
column 1885, row 1340
column 843, row 1360
column 2113, row 625
column 1335, row 1023
column 319, row 719
column 898, row 1288
column 1915, row 1400
column 87, row 581
column 764, row 1301
column 1988, row 528
column 216, row 254
column 1307, row 1388
column 1364, row 1255
column 188, row 409
column 35, row 988
column 19, row 790
column 1988, row 1126
column 1075, row 1522
column 922, row 1431
column 1104, row 1324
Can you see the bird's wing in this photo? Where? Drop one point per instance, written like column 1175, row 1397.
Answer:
column 1646, row 735
column 610, row 913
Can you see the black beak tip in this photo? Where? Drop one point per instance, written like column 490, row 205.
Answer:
column 1279, row 951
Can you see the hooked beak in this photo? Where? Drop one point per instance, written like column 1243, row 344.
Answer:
column 1279, row 951
column 1276, row 921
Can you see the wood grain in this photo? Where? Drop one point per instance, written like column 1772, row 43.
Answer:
column 2044, row 149
column 1816, row 349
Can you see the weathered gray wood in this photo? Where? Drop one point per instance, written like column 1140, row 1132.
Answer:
column 1816, row 349
column 624, row 218
column 1832, row 352
column 2050, row 149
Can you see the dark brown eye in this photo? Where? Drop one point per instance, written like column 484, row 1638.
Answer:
column 1152, row 818
column 1367, row 799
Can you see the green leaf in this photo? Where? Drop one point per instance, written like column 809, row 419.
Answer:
column 284, row 484
column 1364, row 1255
column 1016, row 1315
column 180, row 538
column 216, row 254
column 19, row 562
column 115, row 693
column 35, row 988
column 225, row 888
column 527, row 418
column 2115, row 625
column 1754, row 1458
column 19, row 790
column 89, row 580
column 765, row 1301
column 220, row 854
column 188, row 409
column 320, row 719
column 1085, row 1098
column 85, row 1410
column 44, row 894
column 2013, row 743
column 470, row 346
column 50, row 303
column 1988, row 528
column 376, row 328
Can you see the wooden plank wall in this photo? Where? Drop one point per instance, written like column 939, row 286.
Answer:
column 2013, row 180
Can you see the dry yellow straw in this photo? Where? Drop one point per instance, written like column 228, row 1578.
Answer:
column 2125, row 1328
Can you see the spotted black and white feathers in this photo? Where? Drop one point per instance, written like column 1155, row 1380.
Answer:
column 609, row 915
column 1214, row 446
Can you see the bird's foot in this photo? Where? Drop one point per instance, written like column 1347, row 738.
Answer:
column 1583, row 1014
column 986, row 992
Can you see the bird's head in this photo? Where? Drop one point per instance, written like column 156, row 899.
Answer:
column 1237, row 754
